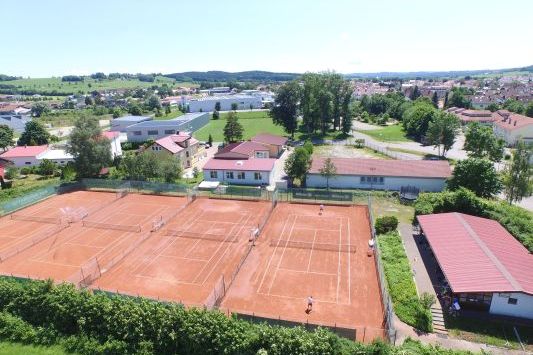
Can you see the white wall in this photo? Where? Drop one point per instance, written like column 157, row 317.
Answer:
column 248, row 177
column 116, row 148
column 23, row 161
column 208, row 104
column 512, row 136
column 389, row 183
column 523, row 308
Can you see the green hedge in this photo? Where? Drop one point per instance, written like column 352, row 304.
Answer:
column 401, row 286
column 39, row 312
column 517, row 221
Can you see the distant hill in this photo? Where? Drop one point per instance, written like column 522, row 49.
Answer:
column 439, row 74
column 222, row 76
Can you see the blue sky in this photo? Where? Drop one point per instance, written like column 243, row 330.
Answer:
column 56, row 37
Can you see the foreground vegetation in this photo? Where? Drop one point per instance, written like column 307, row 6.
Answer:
column 517, row 221
column 11, row 348
column 253, row 122
column 23, row 186
column 41, row 313
column 407, row 306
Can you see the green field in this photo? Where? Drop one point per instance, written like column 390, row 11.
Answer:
column 394, row 133
column 253, row 122
column 47, row 85
column 7, row 348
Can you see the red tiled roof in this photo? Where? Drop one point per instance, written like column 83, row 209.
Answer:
column 249, row 148
column 510, row 121
column 381, row 167
column 269, row 139
column 110, row 135
column 240, row 150
column 477, row 254
column 171, row 142
column 24, row 151
column 240, row 165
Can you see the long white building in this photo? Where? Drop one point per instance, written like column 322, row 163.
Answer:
column 207, row 104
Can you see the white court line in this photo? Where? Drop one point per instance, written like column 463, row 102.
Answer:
column 318, row 229
column 228, row 246
column 309, row 272
column 311, row 254
column 273, row 253
column 339, row 264
column 300, row 298
column 282, row 254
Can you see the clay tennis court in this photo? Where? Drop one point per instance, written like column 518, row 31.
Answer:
column 61, row 255
column 301, row 254
column 187, row 258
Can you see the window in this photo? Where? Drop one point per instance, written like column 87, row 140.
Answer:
column 187, row 154
column 153, row 132
column 240, row 175
column 374, row 180
column 169, row 131
column 229, row 174
column 261, row 155
column 137, row 133
column 213, row 174
column 258, row 176
column 27, row 163
column 363, row 179
column 512, row 300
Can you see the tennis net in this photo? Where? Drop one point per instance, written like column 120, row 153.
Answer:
column 204, row 236
column 50, row 220
column 348, row 248
column 121, row 227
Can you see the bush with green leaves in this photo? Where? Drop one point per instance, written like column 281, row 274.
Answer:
column 386, row 224
column 40, row 312
column 517, row 221
column 12, row 173
column 407, row 306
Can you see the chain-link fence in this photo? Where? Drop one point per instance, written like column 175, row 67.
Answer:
column 148, row 187
column 303, row 195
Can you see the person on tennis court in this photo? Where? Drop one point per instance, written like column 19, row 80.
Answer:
column 310, row 301
column 321, row 209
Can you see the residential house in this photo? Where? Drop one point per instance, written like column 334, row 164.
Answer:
column 33, row 155
column 484, row 266
column 242, row 172
column 276, row 144
column 155, row 129
column 380, row 174
column 181, row 145
column 243, row 150
column 114, row 139
column 512, row 127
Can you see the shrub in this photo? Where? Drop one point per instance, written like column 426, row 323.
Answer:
column 12, row 173
column 401, row 286
column 386, row 224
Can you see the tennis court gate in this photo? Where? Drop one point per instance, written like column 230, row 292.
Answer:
column 345, row 332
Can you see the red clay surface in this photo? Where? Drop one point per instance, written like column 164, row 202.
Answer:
column 187, row 268
column 275, row 280
column 61, row 255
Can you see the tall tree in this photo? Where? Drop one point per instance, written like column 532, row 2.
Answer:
column 477, row 175
column 442, row 131
column 458, row 99
column 435, row 100
column 169, row 168
column 233, row 130
column 446, row 100
column 415, row 94
column 298, row 164
column 135, row 109
column 34, row 134
column 346, row 111
column 416, row 119
column 284, row 112
column 529, row 109
column 481, row 142
column 328, row 170
column 6, row 136
column 493, row 107
column 90, row 149
column 153, row 103
column 517, row 181
column 38, row 109
column 514, row 106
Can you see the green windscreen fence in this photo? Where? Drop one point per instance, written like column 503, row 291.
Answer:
column 148, row 187
column 30, row 198
column 235, row 192
column 318, row 196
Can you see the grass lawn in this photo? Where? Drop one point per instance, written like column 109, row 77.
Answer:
column 23, row 186
column 8, row 348
column 253, row 122
column 421, row 154
column 48, row 85
column 66, row 118
column 394, row 133
column 387, row 206
column 490, row 332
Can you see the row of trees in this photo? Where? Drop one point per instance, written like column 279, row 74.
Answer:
column 322, row 100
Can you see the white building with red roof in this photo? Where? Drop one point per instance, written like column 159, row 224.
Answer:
column 512, row 127
column 243, row 150
column 381, row 174
column 33, row 155
column 183, row 146
column 242, row 172
column 114, row 139
column 485, row 267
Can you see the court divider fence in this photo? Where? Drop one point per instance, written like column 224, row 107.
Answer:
column 148, row 187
